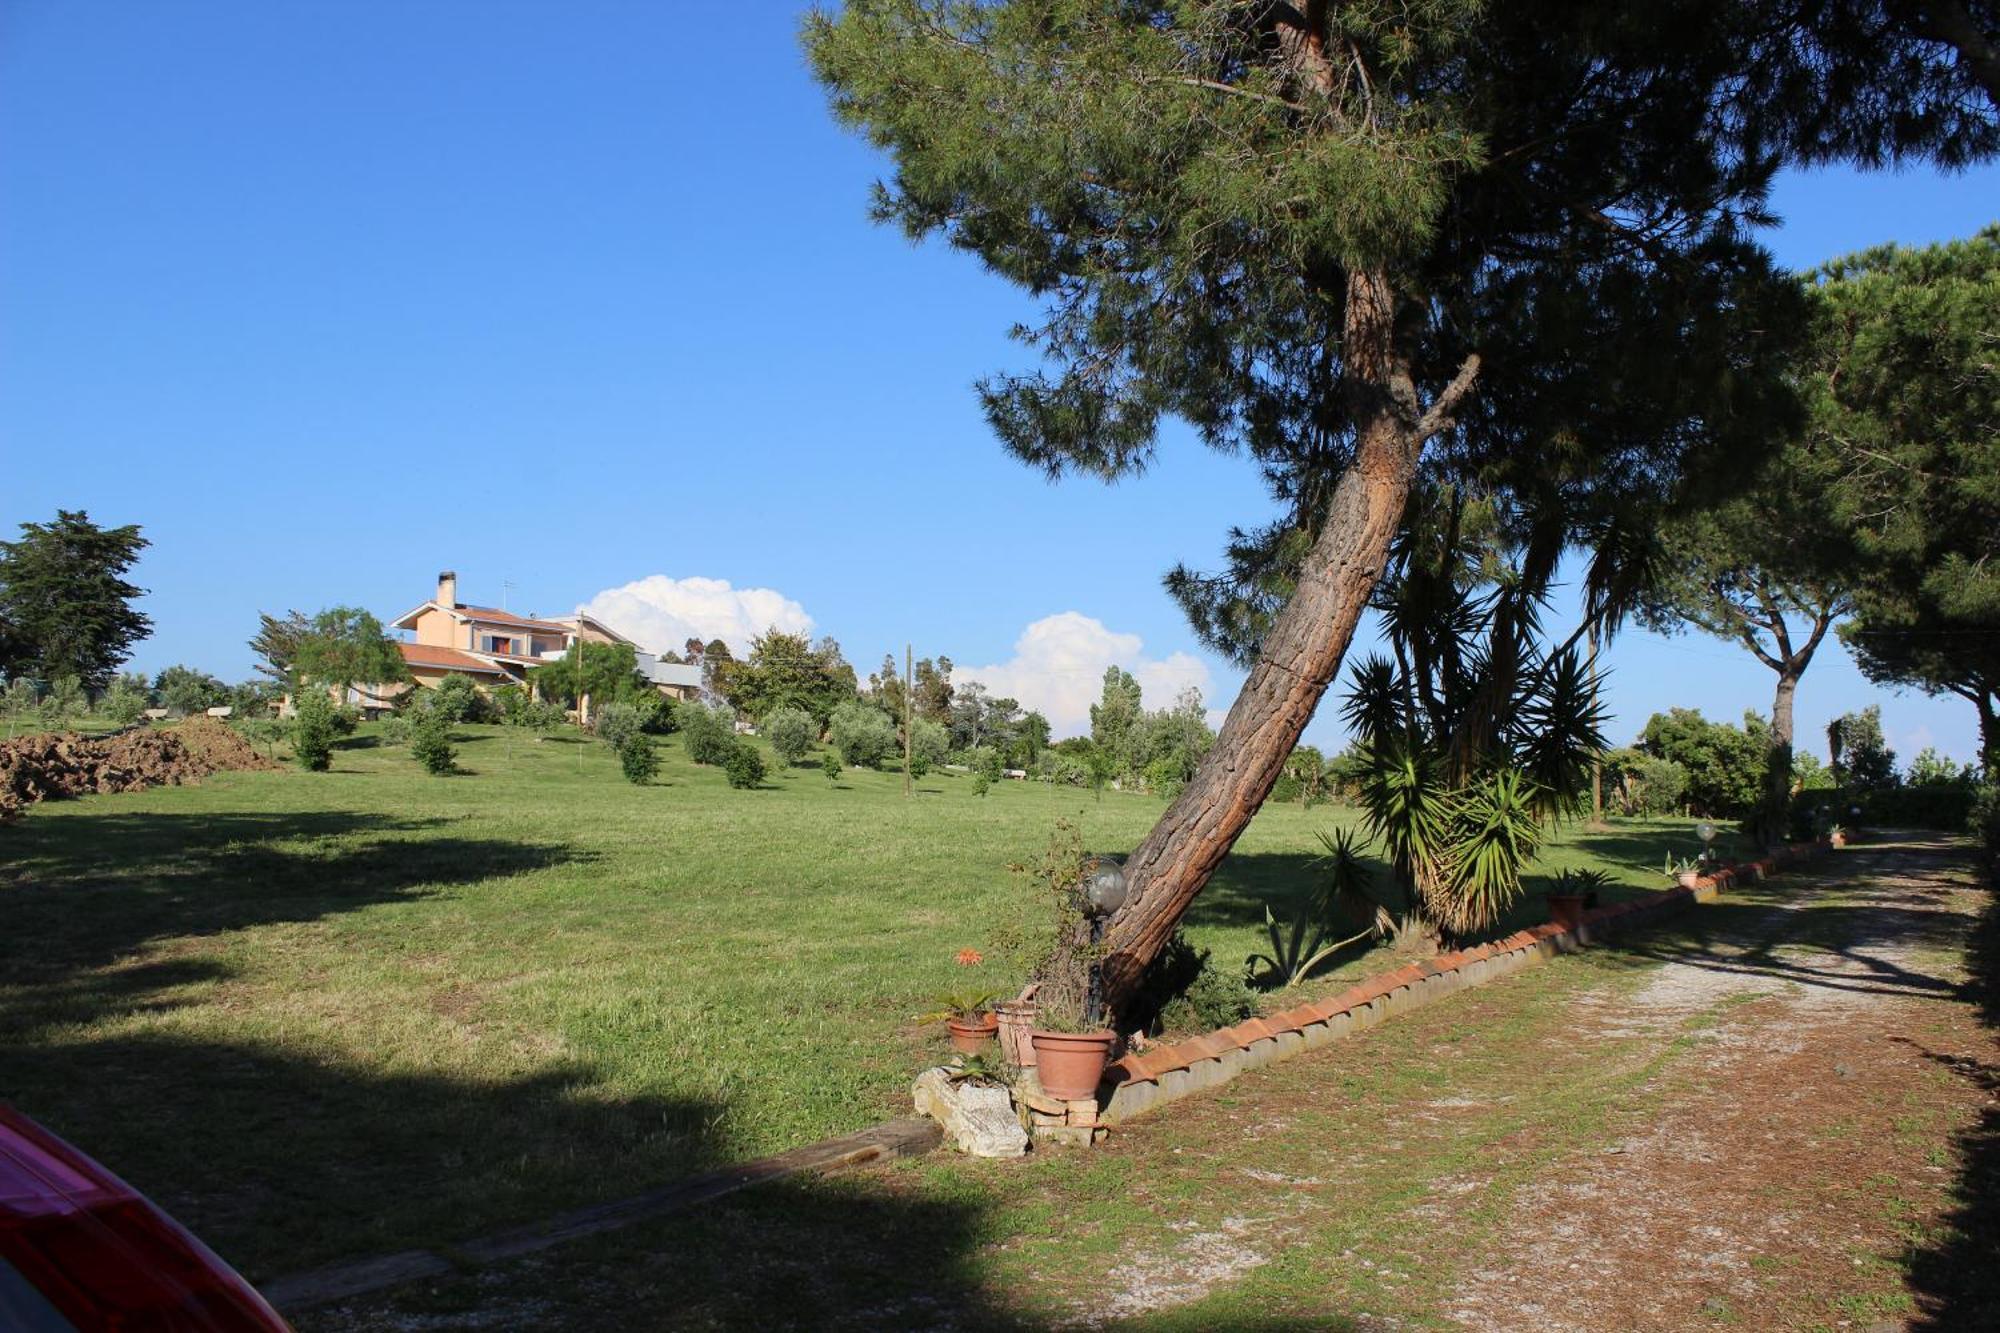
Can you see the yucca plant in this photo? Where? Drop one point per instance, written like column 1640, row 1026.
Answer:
column 1475, row 735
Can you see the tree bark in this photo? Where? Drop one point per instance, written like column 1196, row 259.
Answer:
column 1989, row 735
column 1303, row 649
column 1778, row 762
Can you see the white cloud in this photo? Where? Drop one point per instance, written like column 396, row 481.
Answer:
column 662, row 614
column 1058, row 668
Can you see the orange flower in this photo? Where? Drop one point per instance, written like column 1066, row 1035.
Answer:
column 970, row 958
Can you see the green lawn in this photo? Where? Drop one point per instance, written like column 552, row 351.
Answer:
column 324, row 1015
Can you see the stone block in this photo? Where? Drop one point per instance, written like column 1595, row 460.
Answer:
column 978, row 1118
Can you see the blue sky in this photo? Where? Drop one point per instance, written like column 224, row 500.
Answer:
column 329, row 297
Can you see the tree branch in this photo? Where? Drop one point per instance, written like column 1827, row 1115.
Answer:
column 1438, row 418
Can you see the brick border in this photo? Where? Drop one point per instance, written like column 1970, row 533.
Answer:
column 1141, row 1081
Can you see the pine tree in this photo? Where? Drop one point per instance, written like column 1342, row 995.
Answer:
column 1362, row 244
column 65, row 607
column 1905, row 437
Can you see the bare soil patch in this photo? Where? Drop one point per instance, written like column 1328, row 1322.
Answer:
column 55, row 765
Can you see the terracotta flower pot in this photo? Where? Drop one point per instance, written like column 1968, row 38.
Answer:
column 1688, row 879
column 970, row 1035
column 1071, row 1063
column 1566, row 909
column 1017, row 1025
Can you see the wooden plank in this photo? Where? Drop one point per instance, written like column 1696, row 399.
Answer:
column 892, row 1138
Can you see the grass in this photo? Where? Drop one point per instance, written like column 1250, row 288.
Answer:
column 324, row 1015
column 1371, row 1184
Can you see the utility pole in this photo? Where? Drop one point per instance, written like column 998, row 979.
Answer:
column 908, row 748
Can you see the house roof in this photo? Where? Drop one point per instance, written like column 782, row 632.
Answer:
column 579, row 620
column 494, row 616
column 674, row 673
column 484, row 615
column 448, row 659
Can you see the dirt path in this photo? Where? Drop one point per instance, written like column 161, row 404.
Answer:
column 1778, row 1167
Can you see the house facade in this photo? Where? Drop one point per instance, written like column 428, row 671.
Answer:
column 496, row 647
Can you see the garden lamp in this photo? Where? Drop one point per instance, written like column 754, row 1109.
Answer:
column 1706, row 832
column 1103, row 887
column 1101, row 893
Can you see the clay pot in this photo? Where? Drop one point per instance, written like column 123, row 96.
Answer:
column 1017, row 1025
column 1688, row 879
column 1566, row 910
column 970, row 1035
column 1070, row 1064
column 1836, row 840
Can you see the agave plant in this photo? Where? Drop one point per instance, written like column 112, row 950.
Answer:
column 1475, row 735
column 1298, row 949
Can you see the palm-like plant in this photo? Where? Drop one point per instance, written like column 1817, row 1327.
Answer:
column 1476, row 735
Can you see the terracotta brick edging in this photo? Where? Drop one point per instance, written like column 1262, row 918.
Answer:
column 1141, row 1081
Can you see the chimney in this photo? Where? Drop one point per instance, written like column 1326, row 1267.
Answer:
column 447, row 590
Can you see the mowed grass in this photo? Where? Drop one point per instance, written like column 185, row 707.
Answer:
column 327, row 1015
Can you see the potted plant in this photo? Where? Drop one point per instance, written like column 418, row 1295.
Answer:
column 1068, row 1044
column 966, row 1017
column 1017, row 1025
column 1070, row 1055
column 1572, row 893
column 1684, row 872
column 1836, row 837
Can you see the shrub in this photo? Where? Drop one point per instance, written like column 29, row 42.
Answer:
column 657, row 714
column 457, row 699
column 829, row 764
column 1182, row 989
column 1166, row 776
column 312, row 730
column 1984, row 824
column 743, row 766
column 988, row 762
column 1642, row 784
column 1068, row 771
column 1285, row 790
column 708, row 733
column 981, row 784
column 929, row 742
column 430, row 741
column 126, row 700
column 863, row 735
column 791, row 733
column 537, row 715
column 638, row 758
column 617, row 723
column 396, row 729
column 508, row 701
column 65, row 700
column 918, row 766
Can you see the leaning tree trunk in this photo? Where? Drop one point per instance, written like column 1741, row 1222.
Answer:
column 1302, row 650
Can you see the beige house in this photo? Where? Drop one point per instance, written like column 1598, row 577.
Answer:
column 496, row 647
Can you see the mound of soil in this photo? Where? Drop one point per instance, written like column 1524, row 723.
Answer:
column 53, row 765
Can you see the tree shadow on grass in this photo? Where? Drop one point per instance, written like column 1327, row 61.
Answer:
column 1953, row 1270
column 87, row 890
column 283, row 1161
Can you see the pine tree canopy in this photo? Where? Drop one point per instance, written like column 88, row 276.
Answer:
column 1906, row 438
column 1562, row 197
